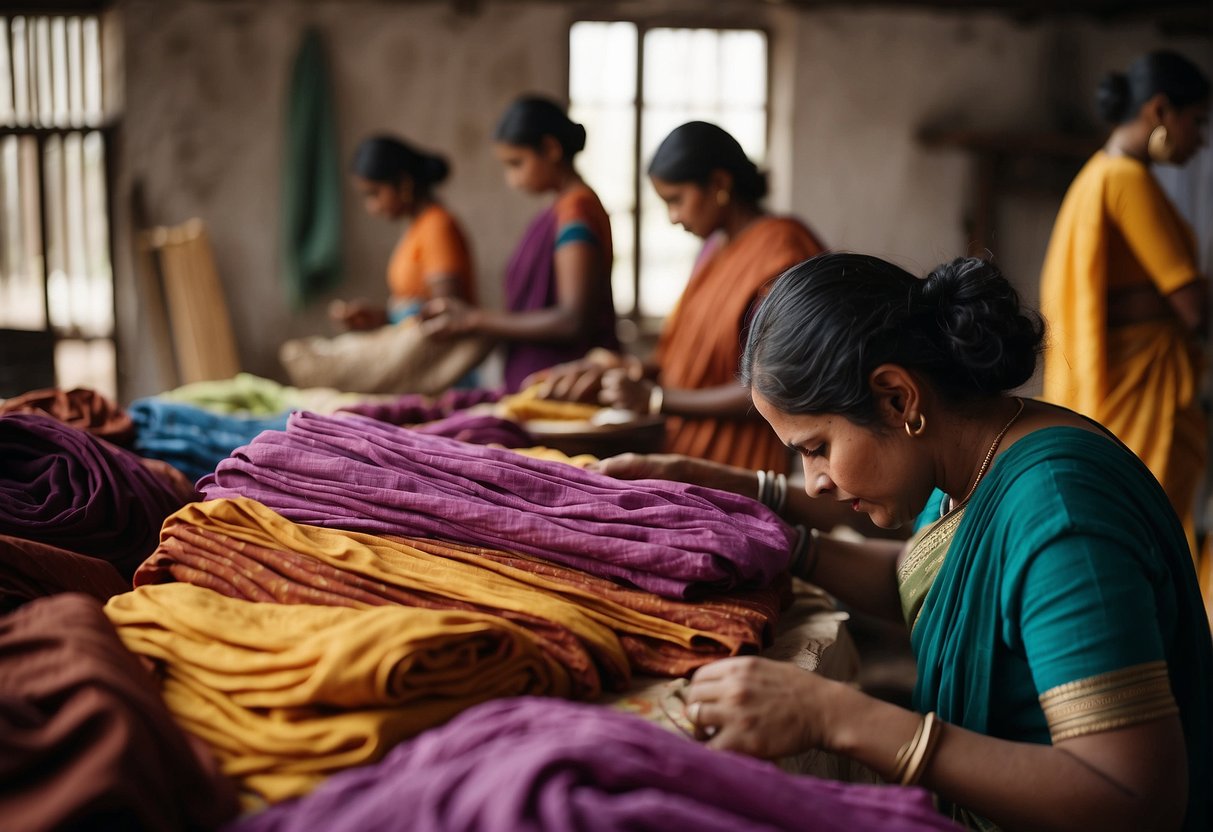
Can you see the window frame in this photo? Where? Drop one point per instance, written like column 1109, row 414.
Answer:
column 723, row 22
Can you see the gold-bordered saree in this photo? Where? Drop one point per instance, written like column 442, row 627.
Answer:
column 1061, row 601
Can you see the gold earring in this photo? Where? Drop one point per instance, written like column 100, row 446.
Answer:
column 723, row 197
column 917, row 429
column 1159, row 145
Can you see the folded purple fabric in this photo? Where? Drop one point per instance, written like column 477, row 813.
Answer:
column 479, row 429
column 414, row 408
column 351, row 473
column 62, row 486
column 542, row 764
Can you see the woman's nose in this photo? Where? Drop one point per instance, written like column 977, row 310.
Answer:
column 818, row 484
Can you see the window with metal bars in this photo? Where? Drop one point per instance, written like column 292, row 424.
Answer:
column 56, row 275
column 630, row 84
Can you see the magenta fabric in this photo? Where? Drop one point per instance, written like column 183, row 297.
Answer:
column 414, row 408
column 541, row 765
column 530, row 284
column 62, row 486
column 356, row 474
column 479, row 429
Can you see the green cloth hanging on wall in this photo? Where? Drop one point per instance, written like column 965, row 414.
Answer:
column 311, row 179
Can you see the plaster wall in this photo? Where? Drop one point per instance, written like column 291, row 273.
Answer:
column 204, row 111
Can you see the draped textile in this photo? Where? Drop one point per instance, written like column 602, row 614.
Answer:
column 64, row 487
column 528, row 764
column 530, row 284
column 79, row 408
column 34, row 570
column 479, row 429
column 191, row 439
column 673, row 539
column 288, row 694
column 701, row 343
column 1068, row 564
column 311, row 178
column 85, row 742
column 243, row 550
column 414, row 408
column 1117, row 230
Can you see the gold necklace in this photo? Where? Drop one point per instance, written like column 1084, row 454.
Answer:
column 985, row 463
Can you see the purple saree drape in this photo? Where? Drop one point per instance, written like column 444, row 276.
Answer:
column 530, row 284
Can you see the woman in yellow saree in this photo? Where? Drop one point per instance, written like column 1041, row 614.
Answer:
column 1121, row 289
column 1064, row 660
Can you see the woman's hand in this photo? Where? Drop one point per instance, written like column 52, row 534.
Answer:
column 680, row 469
column 624, row 390
column 577, row 381
column 759, row 707
column 357, row 315
column 448, row 318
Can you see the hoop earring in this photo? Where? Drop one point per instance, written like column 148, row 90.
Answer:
column 917, row 430
column 1158, row 147
column 723, row 197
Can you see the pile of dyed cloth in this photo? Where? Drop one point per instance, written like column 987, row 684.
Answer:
column 286, row 694
column 362, row 475
column 86, row 742
column 249, row 395
column 591, row 626
column 536, row 765
column 65, row 487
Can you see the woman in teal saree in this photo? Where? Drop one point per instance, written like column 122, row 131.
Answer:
column 1064, row 658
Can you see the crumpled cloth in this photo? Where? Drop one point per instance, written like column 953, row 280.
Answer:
column 79, row 408
column 286, row 694
column 670, row 538
column 414, row 408
column 65, row 487
column 85, row 741
column 531, row 765
column 32, row 570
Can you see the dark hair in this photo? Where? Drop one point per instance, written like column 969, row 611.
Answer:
column 532, row 117
column 1121, row 94
column 831, row 320
column 389, row 159
column 691, row 152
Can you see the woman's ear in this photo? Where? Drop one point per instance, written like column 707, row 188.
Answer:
column 720, row 180
column 550, row 150
column 1156, row 108
column 897, row 395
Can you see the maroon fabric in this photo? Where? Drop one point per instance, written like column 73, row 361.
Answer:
column 30, row 570
column 414, row 408
column 85, row 740
column 80, row 408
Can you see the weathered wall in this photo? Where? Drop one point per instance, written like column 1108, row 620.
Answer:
column 206, row 80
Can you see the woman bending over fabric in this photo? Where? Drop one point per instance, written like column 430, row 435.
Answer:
column 1064, row 660
column 711, row 188
column 1121, row 289
column 558, row 282
column 432, row 259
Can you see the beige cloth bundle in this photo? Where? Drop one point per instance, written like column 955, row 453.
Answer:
column 398, row 358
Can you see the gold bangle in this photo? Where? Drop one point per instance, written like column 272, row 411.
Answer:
column 902, row 761
column 656, row 399
column 923, row 748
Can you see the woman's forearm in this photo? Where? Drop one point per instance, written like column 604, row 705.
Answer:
column 1125, row 779
column 552, row 325
column 862, row 574
column 728, row 401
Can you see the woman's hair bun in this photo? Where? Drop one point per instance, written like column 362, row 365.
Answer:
column 436, row 169
column 992, row 339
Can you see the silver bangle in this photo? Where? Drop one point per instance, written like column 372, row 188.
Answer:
column 781, row 493
column 656, row 399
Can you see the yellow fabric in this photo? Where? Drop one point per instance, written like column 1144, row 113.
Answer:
column 526, row 405
column 553, row 455
column 1116, row 229
column 288, row 694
